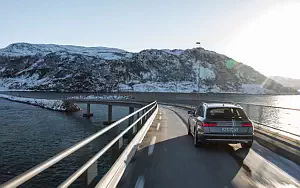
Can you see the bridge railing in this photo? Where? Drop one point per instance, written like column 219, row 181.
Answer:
column 262, row 115
column 145, row 116
column 270, row 116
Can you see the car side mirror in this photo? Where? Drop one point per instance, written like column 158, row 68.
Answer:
column 191, row 112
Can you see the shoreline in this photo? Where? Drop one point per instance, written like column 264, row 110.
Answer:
column 133, row 92
column 55, row 105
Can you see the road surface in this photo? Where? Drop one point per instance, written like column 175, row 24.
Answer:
column 167, row 158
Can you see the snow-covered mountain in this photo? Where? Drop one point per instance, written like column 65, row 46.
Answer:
column 73, row 68
column 23, row 49
column 288, row 82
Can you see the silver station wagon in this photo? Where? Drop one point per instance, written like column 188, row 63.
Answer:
column 220, row 122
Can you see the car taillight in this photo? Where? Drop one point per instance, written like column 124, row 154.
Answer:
column 247, row 124
column 208, row 124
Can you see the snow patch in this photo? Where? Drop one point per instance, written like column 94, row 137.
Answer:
column 180, row 87
column 22, row 49
column 23, row 81
column 57, row 105
column 253, row 89
column 174, row 51
column 124, row 87
column 203, row 72
column 3, row 69
column 101, row 97
column 207, row 73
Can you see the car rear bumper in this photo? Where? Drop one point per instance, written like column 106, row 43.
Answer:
column 225, row 138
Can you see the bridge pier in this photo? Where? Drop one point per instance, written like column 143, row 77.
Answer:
column 88, row 113
column 109, row 116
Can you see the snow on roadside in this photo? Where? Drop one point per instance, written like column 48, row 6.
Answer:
column 57, row 105
column 102, row 97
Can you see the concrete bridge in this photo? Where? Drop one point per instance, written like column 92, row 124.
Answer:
column 109, row 103
column 159, row 153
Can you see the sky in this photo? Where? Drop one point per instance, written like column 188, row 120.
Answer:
column 264, row 34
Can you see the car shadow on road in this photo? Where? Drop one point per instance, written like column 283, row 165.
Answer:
column 177, row 163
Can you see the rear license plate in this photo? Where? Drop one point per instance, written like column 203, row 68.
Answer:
column 227, row 129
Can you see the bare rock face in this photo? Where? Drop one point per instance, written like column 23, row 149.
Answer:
column 70, row 107
column 80, row 69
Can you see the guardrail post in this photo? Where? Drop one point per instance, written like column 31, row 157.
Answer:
column 130, row 133
column 149, row 114
column 116, row 148
column 91, row 173
column 144, row 118
column 139, row 122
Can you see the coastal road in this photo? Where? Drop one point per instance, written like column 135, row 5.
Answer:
column 167, row 158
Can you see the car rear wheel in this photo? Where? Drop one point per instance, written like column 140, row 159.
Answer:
column 189, row 130
column 197, row 144
column 247, row 145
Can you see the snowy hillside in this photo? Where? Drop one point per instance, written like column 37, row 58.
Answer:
column 57, row 105
column 63, row 68
column 23, row 49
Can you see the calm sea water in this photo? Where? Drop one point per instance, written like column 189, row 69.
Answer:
column 29, row 135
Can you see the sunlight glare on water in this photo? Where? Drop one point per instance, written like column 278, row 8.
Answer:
column 289, row 101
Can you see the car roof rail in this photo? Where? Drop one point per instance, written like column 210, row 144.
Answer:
column 204, row 103
column 237, row 104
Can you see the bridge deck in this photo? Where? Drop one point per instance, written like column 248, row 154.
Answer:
column 167, row 158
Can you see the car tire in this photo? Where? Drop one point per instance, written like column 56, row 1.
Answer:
column 197, row 144
column 189, row 129
column 246, row 145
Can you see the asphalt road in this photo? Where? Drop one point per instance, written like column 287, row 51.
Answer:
column 167, row 158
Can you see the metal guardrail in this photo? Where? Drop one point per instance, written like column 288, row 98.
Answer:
column 257, row 122
column 252, row 104
column 19, row 180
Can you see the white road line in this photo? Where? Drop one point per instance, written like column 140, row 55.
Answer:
column 157, row 126
column 152, row 145
column 159, row 117
column 140, row 182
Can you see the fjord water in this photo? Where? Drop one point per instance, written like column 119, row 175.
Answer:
column 29, row 135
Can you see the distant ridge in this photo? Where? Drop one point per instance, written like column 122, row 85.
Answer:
column 288, row 82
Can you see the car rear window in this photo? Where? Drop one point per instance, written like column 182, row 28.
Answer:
column 225, row 113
